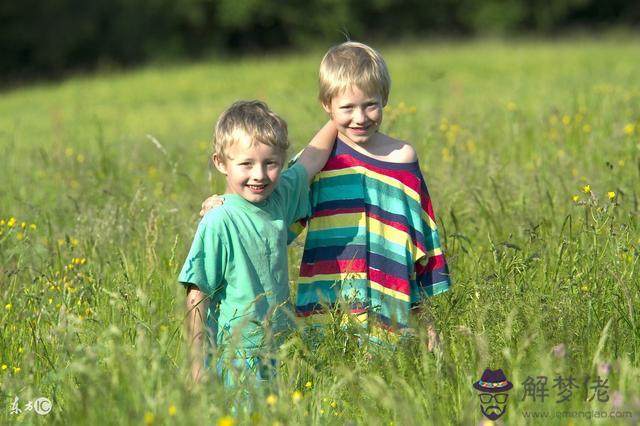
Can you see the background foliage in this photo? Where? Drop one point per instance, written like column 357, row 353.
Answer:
column 46, row 38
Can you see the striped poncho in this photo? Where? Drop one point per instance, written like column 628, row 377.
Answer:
column 372, row 243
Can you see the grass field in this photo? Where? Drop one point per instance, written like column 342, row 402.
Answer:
column 531, row 151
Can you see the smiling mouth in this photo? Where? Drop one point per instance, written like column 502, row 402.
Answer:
column 363, row 129
column 257, row 188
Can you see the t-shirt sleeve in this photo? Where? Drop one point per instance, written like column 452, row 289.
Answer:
column 294, row 187
column 207, row 258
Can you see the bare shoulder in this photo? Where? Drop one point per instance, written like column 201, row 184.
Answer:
column 397, row 151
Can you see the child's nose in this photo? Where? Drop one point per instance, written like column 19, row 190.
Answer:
column 358, row 115
column 258, row 173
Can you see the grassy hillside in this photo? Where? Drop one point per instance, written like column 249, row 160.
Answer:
column 531, row 151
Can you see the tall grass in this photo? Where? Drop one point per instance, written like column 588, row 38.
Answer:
column 531, row 151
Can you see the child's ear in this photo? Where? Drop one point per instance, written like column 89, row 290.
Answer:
column 327, row 107
column 219, row 163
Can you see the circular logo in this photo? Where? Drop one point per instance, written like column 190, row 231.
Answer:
column 42, row 406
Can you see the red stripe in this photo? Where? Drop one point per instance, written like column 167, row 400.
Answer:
column 425, row 203
column 332, row 267
column 433, row 263
column 389, row 281
column 330, row 212
column 344, row 161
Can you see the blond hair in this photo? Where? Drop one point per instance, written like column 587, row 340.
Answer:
column 349, row 64
column 251, row 119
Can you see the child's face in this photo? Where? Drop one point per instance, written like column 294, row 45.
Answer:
column 357, row 115
column 252, row 169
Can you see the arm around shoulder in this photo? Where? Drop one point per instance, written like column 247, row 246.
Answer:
column 316, row 154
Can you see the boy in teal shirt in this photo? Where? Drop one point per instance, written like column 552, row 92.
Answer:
column 236, row 272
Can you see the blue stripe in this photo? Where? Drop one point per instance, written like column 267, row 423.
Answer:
column 350, row 252
column 388, row 266
column 432, row 277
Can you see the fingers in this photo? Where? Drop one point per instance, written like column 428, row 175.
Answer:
column 211, row 203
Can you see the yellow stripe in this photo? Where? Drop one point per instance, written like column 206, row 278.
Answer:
column 428, row 220
column 357, row 219
column 371, row 174
column 389, row 291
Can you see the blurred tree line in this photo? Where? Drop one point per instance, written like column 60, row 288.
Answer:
column 47, row 37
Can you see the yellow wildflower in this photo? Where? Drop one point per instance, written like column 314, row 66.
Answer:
column 23, row 225
column 172, row 410
column 586, row 189
column 75, row 242
column 2, row 222
column 68, row 152
column 20, row 236
column 333, row 404
column 584, row 288
column 60, row 243
column 629, row 129
column 611, row 195
column 17, row 370
column 575, row 198
column 226, row 421
column 296, row 396
column 272, row 400
column 11, row 222
column 308, row 385
column 8, row 306
column 566, row 120
column 33, row 226
column 4, row 367
column 148, row 418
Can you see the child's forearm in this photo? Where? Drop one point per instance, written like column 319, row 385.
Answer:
column 197, row 306
column 316, row 154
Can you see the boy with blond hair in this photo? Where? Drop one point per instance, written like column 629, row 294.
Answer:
column 236, row 272
column 372, row 241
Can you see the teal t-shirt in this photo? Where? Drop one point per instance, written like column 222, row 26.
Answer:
column 239, row 258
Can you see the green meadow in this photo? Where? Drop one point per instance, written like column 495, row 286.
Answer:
column 530, row 149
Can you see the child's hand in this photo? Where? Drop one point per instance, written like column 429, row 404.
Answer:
column 211, row 203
